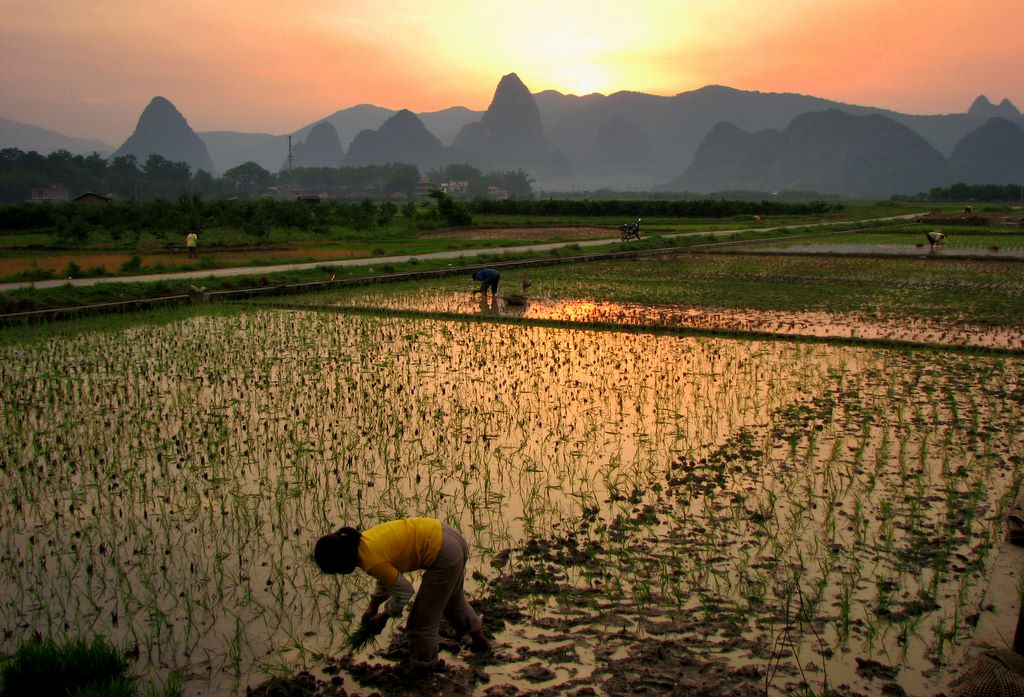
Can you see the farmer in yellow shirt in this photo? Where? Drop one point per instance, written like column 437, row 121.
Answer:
column 191, row 242
column 387, row 551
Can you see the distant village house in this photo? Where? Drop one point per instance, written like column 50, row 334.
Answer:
column 455, row 188
column 421, row 191
column 55, row 193
column 90, row 198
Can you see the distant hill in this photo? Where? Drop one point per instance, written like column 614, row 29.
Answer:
column 626, row 140
column 510, row 136
column 321, row 148
column 229, row 149
column 827, row 151
column 162, row 130
column 402, row 138
column 447, row 123
column 991, row 154
column 26, row 137
column 675, row 126
column 985, row 109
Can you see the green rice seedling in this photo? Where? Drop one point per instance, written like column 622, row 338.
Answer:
column 77, row 666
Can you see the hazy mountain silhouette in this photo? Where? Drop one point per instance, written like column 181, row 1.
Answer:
column 619, row 150
column 510, row 135
column 675, row 126
column 826, row 151
column 229, row 149
column 402, row 138
column 26, row 137
column 162, row 130
column 321, row 148
column 991, row 154
column 985, row 109
column 625, row 140
column 349, row 122
column 447, row 123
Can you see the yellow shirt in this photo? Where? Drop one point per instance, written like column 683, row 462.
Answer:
column 392, row 548
column 191, row 239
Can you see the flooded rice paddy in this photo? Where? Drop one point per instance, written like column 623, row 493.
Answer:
column 818, row 324
column 643, row 510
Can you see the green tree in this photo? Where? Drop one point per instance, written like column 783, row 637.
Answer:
column 401, row 179
column 159, row 169
column 518, row 184
column 247, row 179
column 453, row 213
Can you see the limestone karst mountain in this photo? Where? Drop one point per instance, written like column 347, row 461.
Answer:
column 985, row 109
column 626, row 140
column 510, row 135
column 162, row 130
column 321, row 148
column 826, row 151
column 990, row 154
column 402, row 138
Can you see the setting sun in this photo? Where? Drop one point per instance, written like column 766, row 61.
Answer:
column 278, row 68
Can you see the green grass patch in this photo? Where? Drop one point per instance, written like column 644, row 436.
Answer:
column 76, row 668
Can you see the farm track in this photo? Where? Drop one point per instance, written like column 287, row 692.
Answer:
column 465, row 254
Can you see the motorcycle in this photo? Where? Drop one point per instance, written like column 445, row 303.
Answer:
column 630, row 231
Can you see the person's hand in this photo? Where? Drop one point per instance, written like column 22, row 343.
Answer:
column 377, row 622
column 371, row 612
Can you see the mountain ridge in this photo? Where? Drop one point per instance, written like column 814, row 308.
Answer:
column 626, row 139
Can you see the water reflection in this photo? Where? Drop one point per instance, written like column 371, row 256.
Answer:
column 808, row 324
column 488, row 304
column 187, row 467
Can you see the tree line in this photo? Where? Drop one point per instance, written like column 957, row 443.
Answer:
column 124, row 177
column 994, row 193
column 696, row 208
column 162, row 218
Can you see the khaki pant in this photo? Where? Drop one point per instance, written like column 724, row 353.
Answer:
column 440, row 594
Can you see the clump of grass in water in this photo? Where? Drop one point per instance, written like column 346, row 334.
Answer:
column 73, row 668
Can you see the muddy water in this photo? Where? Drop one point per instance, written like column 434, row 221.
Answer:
column 642, row 509
column 795, row 324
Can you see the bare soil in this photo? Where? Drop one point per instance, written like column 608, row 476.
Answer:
column 526, row 234
column 112, row 261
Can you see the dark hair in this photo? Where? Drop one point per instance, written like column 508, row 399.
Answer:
column 338, row 552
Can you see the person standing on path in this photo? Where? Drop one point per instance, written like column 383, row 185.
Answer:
column 388, row 550
column 191, row 243
column 488, row 279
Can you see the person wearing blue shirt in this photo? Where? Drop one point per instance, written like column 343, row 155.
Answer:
column 488, row 279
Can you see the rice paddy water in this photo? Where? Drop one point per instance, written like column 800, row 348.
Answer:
column 795, row 511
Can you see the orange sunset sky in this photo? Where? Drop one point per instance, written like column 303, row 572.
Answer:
column 87, row 69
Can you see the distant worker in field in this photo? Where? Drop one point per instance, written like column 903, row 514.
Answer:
column 757, row 219
column 935, row 239
column 191, row 243
column 488, row 280
column 388, row 550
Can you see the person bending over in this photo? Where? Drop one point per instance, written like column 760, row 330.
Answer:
column 488, row 279
column 389, row 550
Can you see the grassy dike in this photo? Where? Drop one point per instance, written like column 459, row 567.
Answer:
column 31, row 299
